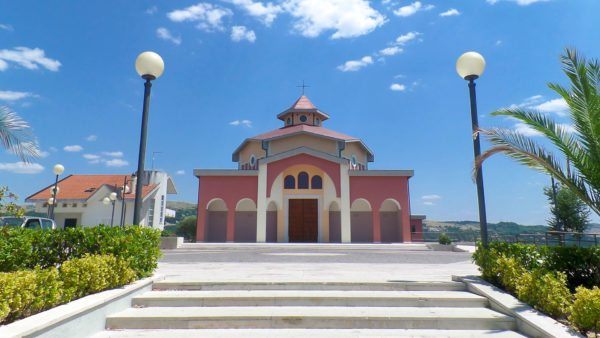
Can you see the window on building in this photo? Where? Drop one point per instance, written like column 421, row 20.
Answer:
column 162, row 209
column 353, row 160
column 151, row 213
column 289, row 121
column 316, row 182
column 252, row 160
column 289, row 182
column 317, row 122
column 302, row 180
column 303, row 118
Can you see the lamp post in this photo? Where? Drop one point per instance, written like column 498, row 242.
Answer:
column 111, row 199
column 58, row 169
column 150, row 66
column 469, row 66
column 124, row 190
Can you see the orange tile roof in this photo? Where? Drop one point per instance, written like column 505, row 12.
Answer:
column 82, row 187
column 303, row 128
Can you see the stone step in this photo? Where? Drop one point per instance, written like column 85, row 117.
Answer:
column 310, row 298
column 315, row 333
column 400, row 285
column 310, row 317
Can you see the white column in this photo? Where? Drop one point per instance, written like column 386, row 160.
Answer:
column 261, row 205
column 345, row 203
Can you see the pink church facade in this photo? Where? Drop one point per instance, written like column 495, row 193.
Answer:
column 305, row 183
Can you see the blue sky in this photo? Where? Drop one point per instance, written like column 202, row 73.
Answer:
column 383, row 70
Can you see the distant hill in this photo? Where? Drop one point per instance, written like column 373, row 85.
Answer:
column 465, row 230
column 182, row 210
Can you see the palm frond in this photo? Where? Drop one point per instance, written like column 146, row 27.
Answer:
column 16, row 137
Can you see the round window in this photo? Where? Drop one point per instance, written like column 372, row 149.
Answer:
column 252, row 160
column 302, row 118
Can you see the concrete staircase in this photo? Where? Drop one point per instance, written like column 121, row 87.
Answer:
column 261, row 309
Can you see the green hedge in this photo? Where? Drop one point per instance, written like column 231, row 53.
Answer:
column 22, row 249
column 24, row 293
column 545, row 277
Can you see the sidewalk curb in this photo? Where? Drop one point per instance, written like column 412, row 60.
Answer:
column 83, row 317
column 529, row 321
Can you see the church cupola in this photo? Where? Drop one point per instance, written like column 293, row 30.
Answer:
column 302, row 112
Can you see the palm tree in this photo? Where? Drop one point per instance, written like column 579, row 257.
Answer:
column 16, row 137
column 579, row 151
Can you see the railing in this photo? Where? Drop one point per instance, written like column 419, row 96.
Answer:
column 551, row 238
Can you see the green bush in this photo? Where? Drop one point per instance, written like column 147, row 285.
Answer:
column 187, row 228
column 167, row 233
column 23, row 293
column 24, row 248
column 91, row 274
column 585, row 312
column 509, row 272
column 546, row 292
column 444, row 239
column 581, row 265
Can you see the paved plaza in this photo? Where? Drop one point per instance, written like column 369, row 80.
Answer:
column 313, row 262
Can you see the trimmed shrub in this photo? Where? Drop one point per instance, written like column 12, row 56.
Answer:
column 585, row 312
column 546, row 292
column 167, row 233
column 24, row 293
column 25, row 248
column 509, row 272
column 580, row 265
column 187, row 228
column 444, row 239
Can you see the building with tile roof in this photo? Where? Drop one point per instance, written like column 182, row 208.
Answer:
column 80, row 199
column 305, row 183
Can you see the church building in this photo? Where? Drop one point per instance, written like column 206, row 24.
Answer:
column 305, row 183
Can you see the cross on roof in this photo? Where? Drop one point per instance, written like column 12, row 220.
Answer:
column 303, row 86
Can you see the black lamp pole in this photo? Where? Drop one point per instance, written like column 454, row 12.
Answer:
column 122, row 220
column 477, row 152
column 142, row 154
column 53, row 199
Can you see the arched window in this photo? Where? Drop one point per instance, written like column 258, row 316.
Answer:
column 317, row 122
column 289, row 121
column 303, row 180
column 289, row 182
column 316, row 182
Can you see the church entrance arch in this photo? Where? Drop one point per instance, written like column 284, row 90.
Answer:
column 361, row 221
column 390, row 219
column 245, row 221
column 216, row 221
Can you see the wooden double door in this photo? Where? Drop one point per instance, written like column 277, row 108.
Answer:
column 303, row 220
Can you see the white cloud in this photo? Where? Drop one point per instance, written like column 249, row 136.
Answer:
column 557, row 106
column 450, row 12
column 239, row 33
column 246, row 123
column 428, row 203
column 399, row 76
column 13, row 96
column 28, row 58
column 73, row 148
column 398, row 87
column 113, row 153
column 92, row 159
column 354, row 65
column 403, row 39
column 6, row 27
column 525, row 130
column 411, row 9
column 348, row 18
column 498, row 42
column 22, row 168
column 208, row 17
column 519, row 2
column 180, row 172
column 151, row 10
column 567, row 128
column 42, row 154
column 164, row 34
column 431, row 197
column 53, row 149
column 391, row 51
column 91, row 138
column 116, row 162
column 266, row 13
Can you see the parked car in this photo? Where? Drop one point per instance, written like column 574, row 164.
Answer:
column 29, row 222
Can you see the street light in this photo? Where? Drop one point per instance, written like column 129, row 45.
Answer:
column 58, row 169
column 469, row 66
column 150, row 66
column 107, row 200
